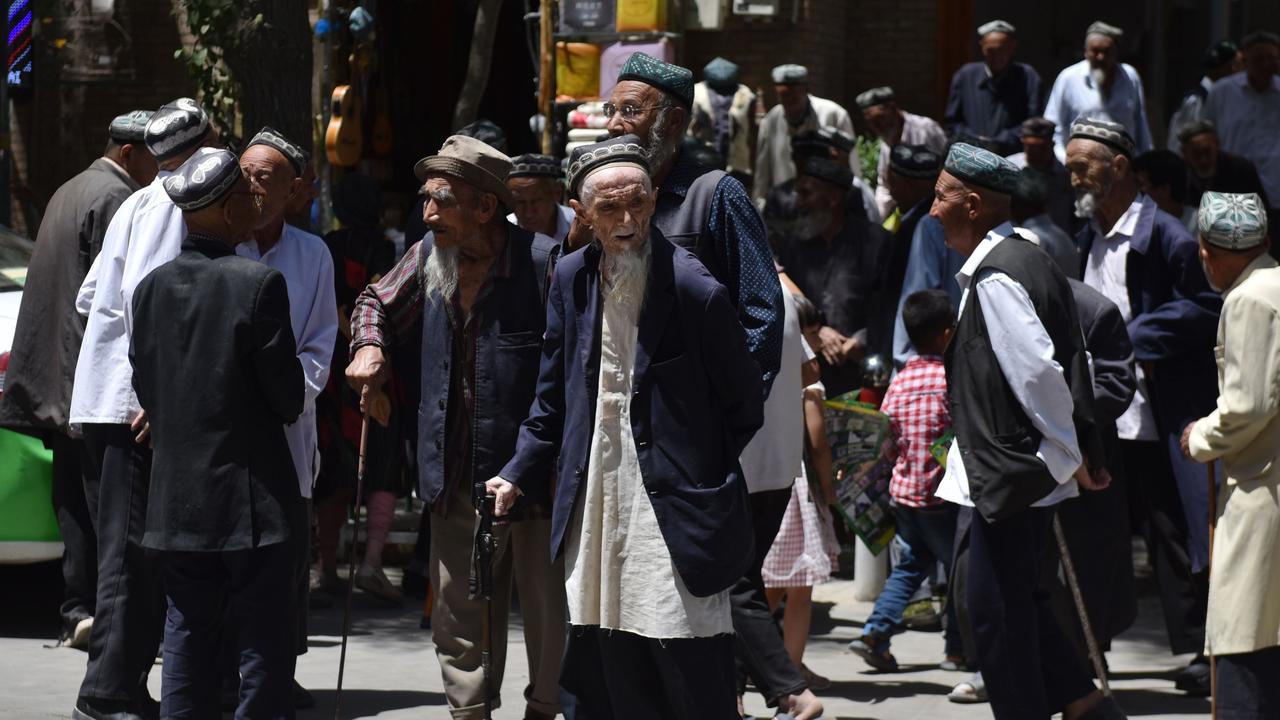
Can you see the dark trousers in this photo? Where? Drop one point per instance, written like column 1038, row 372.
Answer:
column 258, row 586
column 622, row 676
column 75, row 489
column 130, row 618
column 1248, row 687
column 759, row 649
column 1184, row 595
column 1030, row 668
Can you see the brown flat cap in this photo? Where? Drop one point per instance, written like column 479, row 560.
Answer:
column 474, row 162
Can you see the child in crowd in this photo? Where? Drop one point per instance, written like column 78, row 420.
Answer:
column 916, row 404
column 805, row 549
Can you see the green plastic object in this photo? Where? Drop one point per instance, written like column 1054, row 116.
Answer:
column 26, row 490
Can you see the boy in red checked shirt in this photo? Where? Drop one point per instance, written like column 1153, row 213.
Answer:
column 916, row 404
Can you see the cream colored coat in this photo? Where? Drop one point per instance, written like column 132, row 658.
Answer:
column 774, row 165
column 1244, row 432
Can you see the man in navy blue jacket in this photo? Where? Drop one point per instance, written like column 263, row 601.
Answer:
column 647, row 394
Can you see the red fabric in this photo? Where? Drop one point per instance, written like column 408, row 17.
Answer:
column 916, row 404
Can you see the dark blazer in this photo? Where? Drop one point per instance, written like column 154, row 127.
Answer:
column 697, row 400
column 989, row 111
column 46, row 341
column 216, row 368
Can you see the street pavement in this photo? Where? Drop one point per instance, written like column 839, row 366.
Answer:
column 391, row 670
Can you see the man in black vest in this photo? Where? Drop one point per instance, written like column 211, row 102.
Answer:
column 1022, row 408
column 216, row 371
column 474, row 288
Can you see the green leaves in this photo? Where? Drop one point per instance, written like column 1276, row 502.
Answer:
column 213, row 23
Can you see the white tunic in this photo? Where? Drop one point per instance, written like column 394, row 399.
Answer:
column 307, row 267
column 146, row 232
column 619, row 573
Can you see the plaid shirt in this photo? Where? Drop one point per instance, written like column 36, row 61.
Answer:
column 916, row 404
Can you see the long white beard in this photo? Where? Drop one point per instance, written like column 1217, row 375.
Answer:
column 442, row 272
column 1086, row 205
column 628, row 275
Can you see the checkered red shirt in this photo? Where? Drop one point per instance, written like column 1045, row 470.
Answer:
column 916, row 404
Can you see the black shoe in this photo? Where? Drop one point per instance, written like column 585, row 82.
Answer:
column 1194, row 678
column 302, row 698
column 95, row 709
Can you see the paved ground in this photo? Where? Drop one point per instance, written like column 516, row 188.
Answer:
column 392, row 671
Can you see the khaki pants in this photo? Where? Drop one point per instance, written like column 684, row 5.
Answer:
column 457, row 623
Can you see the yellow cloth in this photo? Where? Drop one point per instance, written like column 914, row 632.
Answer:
column 1244, row 432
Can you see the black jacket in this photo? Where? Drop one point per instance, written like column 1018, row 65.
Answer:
column 697, row 401
column 216, row 368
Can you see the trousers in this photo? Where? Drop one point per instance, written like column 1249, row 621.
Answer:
column 75, row 492
column 130, row 618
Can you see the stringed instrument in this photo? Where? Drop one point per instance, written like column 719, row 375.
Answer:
column 344, row 138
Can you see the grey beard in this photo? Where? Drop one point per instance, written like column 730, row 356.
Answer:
column 810, row 225
column 1086, row 205
column 657, row 147
column 441, row 273
column 628, row 274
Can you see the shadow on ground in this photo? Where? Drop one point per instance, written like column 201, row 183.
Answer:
column 357, row 702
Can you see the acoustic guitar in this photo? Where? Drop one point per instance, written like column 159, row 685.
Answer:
column 344, row 138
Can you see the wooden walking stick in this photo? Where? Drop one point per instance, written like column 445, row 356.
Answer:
column 355, row 537
column 1213, row 525
column 1069, row 569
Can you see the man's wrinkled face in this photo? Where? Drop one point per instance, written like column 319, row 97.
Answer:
column 454, row 210
column 792, row 98
column 1201, row 153
column 617, row 203
column 1093, row 174
column 637, row 107
column 1101, row 52
column 997, row 51
column 537, row 199
column 884, row 119
column 272, row 179
column 953, row 206
column 1262, row 62
column 1038, row 151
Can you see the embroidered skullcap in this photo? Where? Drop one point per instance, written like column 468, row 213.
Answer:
column 915, row 161
column 472, row 160
column 1106, row 132
column 721, row 73
column 1100, row 28
column 790, row 74
column 827, row 136
column 1219, row 54
column 534, row 165
column 176, row 128
column 874, row 96
column 828, row 170
column 130, row 127
column 1194, row 128
column 983, row 168
column 586, row 159
column 1000, row 26
column 1259, row 37
column 671, row 79
column 205, row 178
column 1038, row 127
column 297, row 157
column 1235, row 221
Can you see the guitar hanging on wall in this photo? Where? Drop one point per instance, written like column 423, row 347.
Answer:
column 344, row 138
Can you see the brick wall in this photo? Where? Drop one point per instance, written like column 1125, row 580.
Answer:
column 108, row 65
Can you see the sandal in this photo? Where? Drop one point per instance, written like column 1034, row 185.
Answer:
column 969, row 692
column 375, row 583
column 874, row 651
column 815, row 681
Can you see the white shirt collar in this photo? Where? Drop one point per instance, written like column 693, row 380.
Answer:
column 1128, row 222
column 988, row 243
column 251, row 247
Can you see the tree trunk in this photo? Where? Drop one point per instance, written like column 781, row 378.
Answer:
column 478, row 63
column 272, row 64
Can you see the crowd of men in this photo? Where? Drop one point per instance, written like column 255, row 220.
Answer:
column 599, row 349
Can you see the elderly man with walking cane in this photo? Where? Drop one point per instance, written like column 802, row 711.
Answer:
column 475, row 286
column 1243, row 629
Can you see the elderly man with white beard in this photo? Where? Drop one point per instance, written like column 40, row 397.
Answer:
column 1144, row 260
column 646, row 396
column 474, row 286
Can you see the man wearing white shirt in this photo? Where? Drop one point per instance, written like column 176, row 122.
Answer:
column 1101, row 86
column 274, row 166
column 1022, row 410
column 1245, row 107
column 145, row 232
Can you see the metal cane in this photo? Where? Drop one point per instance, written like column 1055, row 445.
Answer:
column 355, row 537
column 1213, row 525
column 1069, row 569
